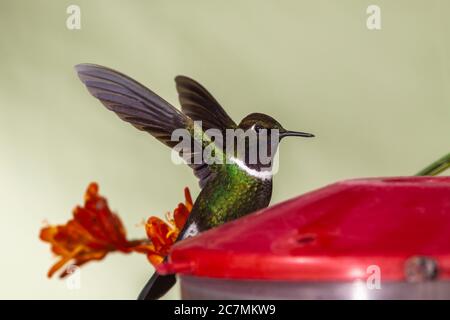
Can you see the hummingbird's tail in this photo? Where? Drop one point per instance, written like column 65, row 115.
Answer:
column 157, row 286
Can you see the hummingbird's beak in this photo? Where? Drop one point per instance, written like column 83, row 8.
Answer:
column 288, row 133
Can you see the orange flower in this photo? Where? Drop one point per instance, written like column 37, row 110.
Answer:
column 163, row 235
column 95, row 231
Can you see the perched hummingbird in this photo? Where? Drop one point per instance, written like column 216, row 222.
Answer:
column 229, row 190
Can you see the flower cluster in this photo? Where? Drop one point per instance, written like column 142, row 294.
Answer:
column 94, row 231
column 162, row 235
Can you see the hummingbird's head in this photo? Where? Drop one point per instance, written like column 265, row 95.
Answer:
column 268, row 133
column 258, row 121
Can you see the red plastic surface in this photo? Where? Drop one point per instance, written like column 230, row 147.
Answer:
column 334, row 233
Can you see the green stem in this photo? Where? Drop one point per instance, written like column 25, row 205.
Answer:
column 436, row 167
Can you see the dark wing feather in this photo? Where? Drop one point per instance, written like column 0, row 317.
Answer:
column 197, row 103
column 133, row 102
column 141, row 107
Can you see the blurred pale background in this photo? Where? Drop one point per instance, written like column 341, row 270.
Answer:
column 378, row 101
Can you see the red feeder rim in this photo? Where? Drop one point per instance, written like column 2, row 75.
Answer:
column 338, row 233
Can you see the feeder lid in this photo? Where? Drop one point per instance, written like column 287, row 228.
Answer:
column 399, row 227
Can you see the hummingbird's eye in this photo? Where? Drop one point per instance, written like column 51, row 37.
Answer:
column 257, row 127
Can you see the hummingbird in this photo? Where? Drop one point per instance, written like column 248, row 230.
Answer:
column 229, row 189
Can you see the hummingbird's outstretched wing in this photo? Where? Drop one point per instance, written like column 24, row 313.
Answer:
column 133, row 102
column 197, row 103
column 145, row 110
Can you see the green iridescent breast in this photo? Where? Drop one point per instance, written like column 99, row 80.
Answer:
column 232, row 193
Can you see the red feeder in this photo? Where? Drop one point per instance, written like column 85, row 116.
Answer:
column 380, row 238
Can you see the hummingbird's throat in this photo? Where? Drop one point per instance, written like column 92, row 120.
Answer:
column 263, row 173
